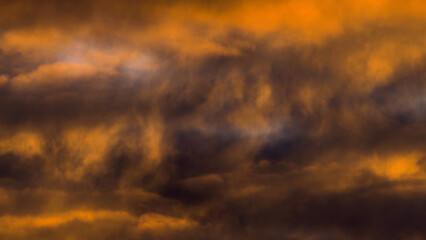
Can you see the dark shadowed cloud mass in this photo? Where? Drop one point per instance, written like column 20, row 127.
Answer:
column 190, row 119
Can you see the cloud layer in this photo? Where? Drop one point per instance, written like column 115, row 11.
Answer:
column 213, row 119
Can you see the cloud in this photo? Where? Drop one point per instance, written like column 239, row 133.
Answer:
column 12, row 224
column 212, row 119
column 157, row 222
column 24, row 143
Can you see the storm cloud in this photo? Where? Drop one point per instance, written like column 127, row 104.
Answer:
column 212, row 119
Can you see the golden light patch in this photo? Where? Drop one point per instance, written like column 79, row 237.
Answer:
column 42, row 41
column 153, row 140
column 11, row 224
column 395, row 167
column 3, row 79
column 88, row 147
column 306, row 21
column 158, row 222
column 185, row 39
column 264, row 95
column 375, row 63
column 59, row 73
column 378, row 68
column 26, row 144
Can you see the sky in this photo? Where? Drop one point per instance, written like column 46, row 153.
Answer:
column 230, row 120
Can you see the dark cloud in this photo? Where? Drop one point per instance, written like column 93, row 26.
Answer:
column 212, row 120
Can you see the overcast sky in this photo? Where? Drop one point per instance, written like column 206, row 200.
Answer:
column 213, row 120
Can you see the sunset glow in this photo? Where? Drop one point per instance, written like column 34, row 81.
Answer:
column 213, row 119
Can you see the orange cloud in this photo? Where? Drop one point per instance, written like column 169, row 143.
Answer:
column 12, row 224
column 396, row 167
column 89, row 147
column 58, row 74
column 158, row 222
column 197, row 119
column 25, row 143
